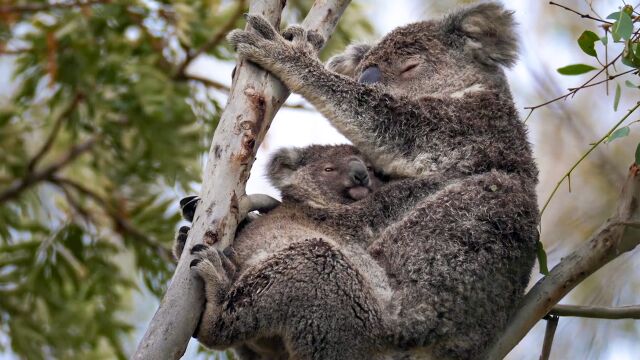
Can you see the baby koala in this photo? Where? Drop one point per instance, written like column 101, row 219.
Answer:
column 286, row 288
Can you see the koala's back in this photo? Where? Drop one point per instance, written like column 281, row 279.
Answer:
column 439, row 255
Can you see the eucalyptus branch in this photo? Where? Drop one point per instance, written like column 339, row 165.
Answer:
column 567, row 175
column 25, row 8
column 214, row 41
column 550, row 331
column 607, row 243
column 54, row 132
column 122, row 225
column 224, row 88
column 33, row 177
column 597, row 312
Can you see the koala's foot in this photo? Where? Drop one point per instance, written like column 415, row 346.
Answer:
column 181, row 240
column 216, row 268
column 188, row 206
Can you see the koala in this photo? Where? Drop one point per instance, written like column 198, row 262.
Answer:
column 291, row 288
column 430, row 106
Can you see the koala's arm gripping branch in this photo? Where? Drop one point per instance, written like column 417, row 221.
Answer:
column 617, row 235
column 254, row 99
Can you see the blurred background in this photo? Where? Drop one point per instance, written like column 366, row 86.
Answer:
column 107, row 109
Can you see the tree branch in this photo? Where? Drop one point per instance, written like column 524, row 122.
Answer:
column 122, row 225
column 610, row 241
column 254, row 99
column 550, row 331
column 54, row 132
column 33, row 177
column 584, row 16
column 10, row 9
column 597, row 312
column 215, row 40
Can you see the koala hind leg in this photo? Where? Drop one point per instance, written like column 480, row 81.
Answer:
column 334, row 316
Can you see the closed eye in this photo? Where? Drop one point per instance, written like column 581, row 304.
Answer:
column 409, row 67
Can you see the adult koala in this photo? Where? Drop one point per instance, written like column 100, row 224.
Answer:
column 430, row 102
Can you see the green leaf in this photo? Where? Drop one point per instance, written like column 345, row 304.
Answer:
column 620, row 133
column 587, row 42
column 604, row 39
column 630, row 84
column 616, row 98
column 638, row 155
column 576, row 69
column 623, row 27
column 542, row 255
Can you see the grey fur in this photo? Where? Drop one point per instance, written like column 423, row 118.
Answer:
column 459, row 241
column 299, row 291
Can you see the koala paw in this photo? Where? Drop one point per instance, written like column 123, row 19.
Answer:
column 216, row 268
column 188, row 207
column 269, row 49
column 181, row 240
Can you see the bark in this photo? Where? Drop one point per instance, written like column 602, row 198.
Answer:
column 254, row 99
column 615, row 237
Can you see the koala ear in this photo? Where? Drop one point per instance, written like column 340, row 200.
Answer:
column 489, row 30
column 282, row 166
column 347, row 62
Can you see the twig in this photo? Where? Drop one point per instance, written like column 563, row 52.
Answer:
column 54, row 132
column 609, row 78
column 552, row 324
column 584, row 156
column 32, row 178
column 122, row 225
column 606, row 244
column 9, row 9
column 213, row 42
column 584, row 16
column 575, row 90
column 597, row 312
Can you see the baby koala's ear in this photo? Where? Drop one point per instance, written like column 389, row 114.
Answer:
column 347, row 62
column 489, row 32
column 282, row 166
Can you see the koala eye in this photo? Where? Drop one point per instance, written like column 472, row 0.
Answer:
column 328, row 169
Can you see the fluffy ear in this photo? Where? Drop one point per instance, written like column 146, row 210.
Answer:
column 282, row 166
column 489, row 30
column 347, row 62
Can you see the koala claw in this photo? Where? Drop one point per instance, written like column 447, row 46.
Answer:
column 188, row 206
column 296, row 33
column 261, row 26
column 212, row 264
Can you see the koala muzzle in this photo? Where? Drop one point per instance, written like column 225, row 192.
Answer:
column 358, row 173
column 370, row 75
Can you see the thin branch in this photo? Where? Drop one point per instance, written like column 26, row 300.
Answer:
column 214, row 41
column 122, row 225
column 584, row 16
column 609, row 78
column 11, row 9
column 32, row 178
column 610, row 241
column 597, row 312
column 575, row 90
column 584, row 156
column 552, row 324
column 54, row 132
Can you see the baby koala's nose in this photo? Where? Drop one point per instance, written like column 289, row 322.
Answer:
column 370, row 75
column 358, row 173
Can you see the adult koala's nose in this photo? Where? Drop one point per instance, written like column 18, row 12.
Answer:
column 358, row 173
column 370, row 75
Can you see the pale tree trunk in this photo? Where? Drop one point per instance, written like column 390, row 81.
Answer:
column 254, row 99
column 619, row 234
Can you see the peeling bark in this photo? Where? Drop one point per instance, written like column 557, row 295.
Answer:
column 254, row 99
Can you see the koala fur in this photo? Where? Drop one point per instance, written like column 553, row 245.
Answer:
column 429, row 104
column 291, row 288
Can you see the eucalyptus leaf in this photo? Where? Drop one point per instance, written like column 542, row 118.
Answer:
column 619, row 133
column 576, row 69
column 587, row 42
column 616, row 98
